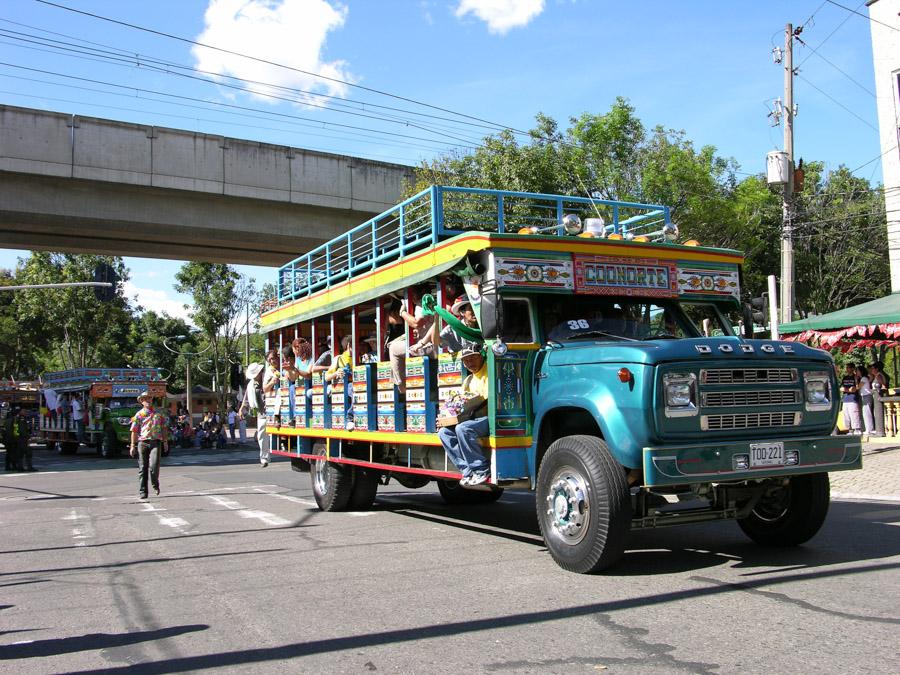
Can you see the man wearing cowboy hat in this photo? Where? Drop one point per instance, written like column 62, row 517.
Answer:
column 254, row 403
column 149, row 437
column 461, row 442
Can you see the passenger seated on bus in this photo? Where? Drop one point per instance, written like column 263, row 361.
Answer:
column 323, row 363
column 418, row 325
column 367, row 350
column 461, row 441
column 344, row 360
column 462, row 309
column 290, row 375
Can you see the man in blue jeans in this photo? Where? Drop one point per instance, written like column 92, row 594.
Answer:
column 461, row 441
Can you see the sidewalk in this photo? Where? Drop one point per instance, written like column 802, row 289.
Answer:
column 879, row 478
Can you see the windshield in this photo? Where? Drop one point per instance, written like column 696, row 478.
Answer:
column 572, row 318
column 117, row 403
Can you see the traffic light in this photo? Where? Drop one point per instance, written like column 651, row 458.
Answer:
column 760, row 307
column 104, row 273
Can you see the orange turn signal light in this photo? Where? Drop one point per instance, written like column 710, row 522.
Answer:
column 615, row 235
column 527, row 230
column 691, row 242
column 625, row 375
column 641, row 238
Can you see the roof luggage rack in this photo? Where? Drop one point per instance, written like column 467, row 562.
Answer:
column 440, row 212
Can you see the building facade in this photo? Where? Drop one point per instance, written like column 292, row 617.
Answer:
column 885, row 27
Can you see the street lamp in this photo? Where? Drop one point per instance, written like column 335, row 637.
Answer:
column 187, row 369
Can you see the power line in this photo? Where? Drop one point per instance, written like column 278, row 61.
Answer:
column 839, row 69
column 216, row 103
column 836, row 4
column 836, row 102
column 271, row 63
column 142, row 61
column 827, row 37
column 894, row 147
column 124, row 61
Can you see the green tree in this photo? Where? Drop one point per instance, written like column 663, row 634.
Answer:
column 80, row 330
column 220, row 297
column 21, row 339
column 841, row 245
column 841, row 249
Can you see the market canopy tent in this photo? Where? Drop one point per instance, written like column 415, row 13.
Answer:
column 870, row 324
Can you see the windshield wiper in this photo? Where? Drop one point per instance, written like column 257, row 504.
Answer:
column 661, row 336
column 600, row 333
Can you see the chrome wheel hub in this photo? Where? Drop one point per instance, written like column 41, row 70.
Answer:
column 568, row 506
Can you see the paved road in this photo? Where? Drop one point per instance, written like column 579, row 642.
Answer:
column 232, row 568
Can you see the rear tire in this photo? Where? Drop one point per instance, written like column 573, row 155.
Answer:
column 583, row 504
column 109, row 445
column 453, row 493
column 68, row 447
column 365, row 487
column 332, row 484
column 789, row 515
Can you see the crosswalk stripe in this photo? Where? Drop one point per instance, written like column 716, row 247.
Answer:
column 243, row 512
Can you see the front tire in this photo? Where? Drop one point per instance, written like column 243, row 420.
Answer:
column 583, row 504
column 332, row 484
column 454, row 494
column 789, row 515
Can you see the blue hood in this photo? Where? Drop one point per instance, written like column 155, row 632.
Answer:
column 653, row 352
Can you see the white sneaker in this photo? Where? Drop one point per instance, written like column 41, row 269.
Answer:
column 479, row 478
column 465, row 479
column 264, row 463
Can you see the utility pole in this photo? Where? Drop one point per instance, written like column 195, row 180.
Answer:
column 787, row 236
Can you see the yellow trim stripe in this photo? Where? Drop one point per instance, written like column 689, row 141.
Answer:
column 457, row 247
column 399, row 437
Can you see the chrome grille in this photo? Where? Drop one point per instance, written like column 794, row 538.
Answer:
column 732, row 399
column 749, row 420
column 748, row 375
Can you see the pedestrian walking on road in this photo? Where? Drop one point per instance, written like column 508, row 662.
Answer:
column 149, row 438
column 253, row 400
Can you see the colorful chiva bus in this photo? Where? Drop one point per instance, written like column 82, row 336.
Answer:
column 619, row 388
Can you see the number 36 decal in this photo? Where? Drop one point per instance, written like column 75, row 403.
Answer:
column 578, row 324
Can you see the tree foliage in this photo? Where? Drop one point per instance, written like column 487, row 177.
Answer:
column 79, row 330
column 841, row 247
column 221, row 297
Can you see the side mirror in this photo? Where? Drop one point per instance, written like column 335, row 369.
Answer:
column 491, row 311
column 748, row 321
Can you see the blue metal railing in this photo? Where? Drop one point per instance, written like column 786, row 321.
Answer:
column 440, row 212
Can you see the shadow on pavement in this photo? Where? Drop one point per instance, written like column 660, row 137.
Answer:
column 92, row 642
column 853, row 532
column 455, row 630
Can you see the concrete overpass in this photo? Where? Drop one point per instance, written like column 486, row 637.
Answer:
column 89, row 185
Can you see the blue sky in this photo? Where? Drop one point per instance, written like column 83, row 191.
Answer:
column 702, row 66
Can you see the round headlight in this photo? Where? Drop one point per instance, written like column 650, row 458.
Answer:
column 571, row 223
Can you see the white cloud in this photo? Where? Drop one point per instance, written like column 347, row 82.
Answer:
column 501, row 15
column 289, row 32
column 156, row 300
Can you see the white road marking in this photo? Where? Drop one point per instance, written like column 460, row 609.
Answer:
column 243, row 512
column 295, row 500
column 83, row 530
column 362, row 514
column 169, row 521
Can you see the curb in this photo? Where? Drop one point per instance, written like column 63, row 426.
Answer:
column 856, row 497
